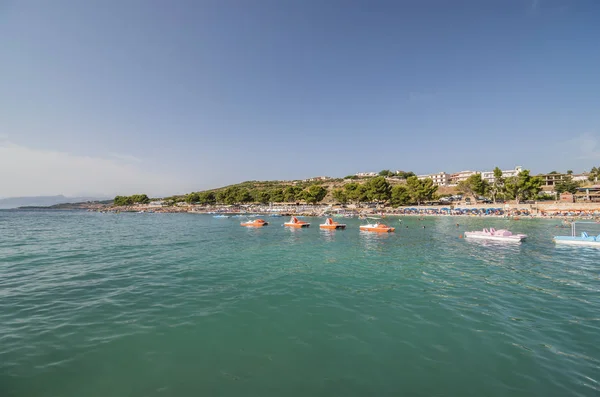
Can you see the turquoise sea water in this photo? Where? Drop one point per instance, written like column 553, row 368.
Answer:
column 115, row 305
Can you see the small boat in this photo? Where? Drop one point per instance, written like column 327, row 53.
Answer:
column 583, row 239
column 376, row 227
column 330, row 224
column 496, row 235
column 220, row 216
column 294, row 222
column 255, row 223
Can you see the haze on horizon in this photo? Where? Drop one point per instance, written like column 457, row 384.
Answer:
column 108, row 97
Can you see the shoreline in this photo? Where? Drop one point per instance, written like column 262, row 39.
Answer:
column 509, row 215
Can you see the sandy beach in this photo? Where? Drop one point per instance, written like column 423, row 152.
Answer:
column 544, row 210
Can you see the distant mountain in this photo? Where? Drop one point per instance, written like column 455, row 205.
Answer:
column 43, row 201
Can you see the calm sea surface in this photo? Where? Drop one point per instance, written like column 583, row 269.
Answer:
column 113, row 305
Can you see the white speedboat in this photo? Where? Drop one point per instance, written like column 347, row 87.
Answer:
column 496, row 235
column 376, row 227
column 255, row 223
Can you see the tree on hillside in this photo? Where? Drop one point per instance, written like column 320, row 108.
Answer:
column 351, row 177
column 292, row 194
column 261, row 196
column 405, row 175
column 385, row 173
column 192, row 198
column 594, row 174
column 174, row 200
column 420, row 190
column 523, row 186
column 130, row 200
column 243, row 196
column 207, row 198
column 229, row 195
column 276, row 195
column 356, row 192
column 340, row 196
column 350, row 188
column 315, row 194
column 221, row 195
column 400, row 196
column 122, row 200
column 569, row 172
column 474, row 186
column 498, row 186
column 566, row 185
column 378, row 189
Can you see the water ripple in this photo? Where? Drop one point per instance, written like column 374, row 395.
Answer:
column 177, row 305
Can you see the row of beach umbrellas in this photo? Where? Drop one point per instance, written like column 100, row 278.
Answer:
column 454, row 211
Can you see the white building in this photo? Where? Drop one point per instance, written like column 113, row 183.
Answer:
column 581, row 177
column 317, row 178
column 366, row 174
column 489, row 175
column 461, row 176
column 439, row 179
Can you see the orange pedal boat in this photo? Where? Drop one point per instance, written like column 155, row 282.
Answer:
column 294, row 222
column 330, row 224
column 377, row 227
column 255, row 223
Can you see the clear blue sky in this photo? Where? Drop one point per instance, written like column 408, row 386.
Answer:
column 173, row 96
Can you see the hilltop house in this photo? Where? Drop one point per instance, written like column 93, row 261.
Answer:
column 439, row 179
column 317, row 178
column 489, row 175
column 363, row 174
column 460, row 176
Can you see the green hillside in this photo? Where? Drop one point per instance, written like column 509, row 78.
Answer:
column 384, row 189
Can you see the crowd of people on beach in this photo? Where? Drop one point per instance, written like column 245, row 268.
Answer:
column 457, row 211
column 571, row 213
column 327, row 210
column 497, row 212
